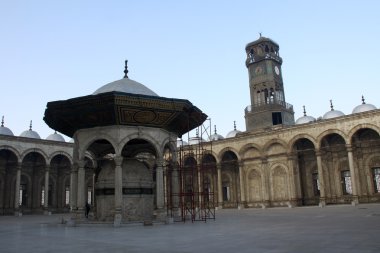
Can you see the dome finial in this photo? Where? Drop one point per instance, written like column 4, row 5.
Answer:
column 30, row 126
column 2, row 121
column 197, row 132
column 363, row 100
column 126, row 69
column 304, row 111
column 215, row 129
column 331, row 105
column 234, row 125
column 260, row 34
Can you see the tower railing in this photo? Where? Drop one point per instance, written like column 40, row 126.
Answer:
column 267, row 105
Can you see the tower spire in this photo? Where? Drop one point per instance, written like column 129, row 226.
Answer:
column 2, row 121
column 126, row 69
column 30, row 126
column 331, row 105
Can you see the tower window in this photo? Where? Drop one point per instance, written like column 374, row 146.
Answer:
column 276, row 118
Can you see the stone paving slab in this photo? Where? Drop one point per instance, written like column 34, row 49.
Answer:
column 340, row 228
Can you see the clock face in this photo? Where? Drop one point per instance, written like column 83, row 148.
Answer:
column 277, row 70
column 258, row 70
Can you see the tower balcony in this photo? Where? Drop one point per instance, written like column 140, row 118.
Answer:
column 269, row 105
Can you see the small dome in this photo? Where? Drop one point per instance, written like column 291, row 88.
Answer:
column 363, row 107
column 195, row 140
column 181, row 143
column 304, row 119
column 126, row 85
column 5, row 130
column 55, row 137
column 71, row 140
column 215, row 136
column 332, row 113
column 30, row 133
column 233, row 133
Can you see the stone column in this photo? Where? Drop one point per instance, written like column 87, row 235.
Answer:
column 242, row 185
column 220, row 193
column 175, row 185
column 17, row 191
column 118, row 190
column 354, row 182
column 81, row 201
column 321, row 177
column 73, row 187
column 46, row 194
column 200, row 186
column 292, row 181
column 159, row 185
column 265, row 181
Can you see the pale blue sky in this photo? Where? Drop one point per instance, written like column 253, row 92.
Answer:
column 56, row 50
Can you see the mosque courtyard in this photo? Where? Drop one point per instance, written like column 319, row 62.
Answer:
column 338, row 228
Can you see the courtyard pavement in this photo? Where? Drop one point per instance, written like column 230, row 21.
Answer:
column 339, row 228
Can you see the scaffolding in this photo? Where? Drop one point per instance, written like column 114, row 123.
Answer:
column 192, row 195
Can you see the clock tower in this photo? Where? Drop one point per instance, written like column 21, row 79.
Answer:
column 268, row 106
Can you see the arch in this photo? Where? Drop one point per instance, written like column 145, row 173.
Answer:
column 354, row 130
column 93, row 138
column 322, row 135
column 244, row 149
column 298, row 137
column 225, row 150
column 254, row 185
column 142, row 146
column 63, row 153
column 208, row 158
column 212, row 153
column 34, row 150
column 147, row 137
column 279, row 182
column 13, row 150
column 274, row 142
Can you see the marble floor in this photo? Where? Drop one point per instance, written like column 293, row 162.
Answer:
column 339, row 228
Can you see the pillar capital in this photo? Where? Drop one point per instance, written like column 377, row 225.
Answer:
column 81, row 163
column 349, row 147
column 118, row 160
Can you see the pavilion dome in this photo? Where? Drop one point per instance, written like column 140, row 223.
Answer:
column 332, row 113
column 304, row 119
column 363, row 107
column 5, row 130
column 126, row 85
column 55, row 137
column 30, row 133
column 233, row 133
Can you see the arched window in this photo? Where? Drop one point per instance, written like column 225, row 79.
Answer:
column 376, row 179
column 226, row 190
column 316, row 187
column 346, row 182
